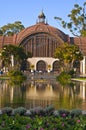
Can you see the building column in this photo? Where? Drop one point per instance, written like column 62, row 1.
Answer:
column 12, row 60
column 82, row 66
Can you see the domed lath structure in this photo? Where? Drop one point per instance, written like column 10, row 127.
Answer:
column 40, row 36
column 41, row 40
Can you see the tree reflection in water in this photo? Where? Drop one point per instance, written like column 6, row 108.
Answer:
column 32, row 93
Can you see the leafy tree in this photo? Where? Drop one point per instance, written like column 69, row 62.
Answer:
column 77, row 20
column 64, row 78
column 11, row 28
column 18, row 54
column 67, row 55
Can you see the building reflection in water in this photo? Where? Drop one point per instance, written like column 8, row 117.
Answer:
column 34, row 93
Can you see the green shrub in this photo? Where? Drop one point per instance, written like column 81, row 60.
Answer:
column 76, row 112
column 16, row 76
column 42, row 123
column 20, row 111
column 7, row 110
column 37, row 111
column 53, row 121
column 63, row 112
column 15, row 73
column 49, row 110
column 42, row 112
column 64, row 78
column 56, row 113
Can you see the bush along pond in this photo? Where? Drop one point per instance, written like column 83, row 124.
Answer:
column 39, row 118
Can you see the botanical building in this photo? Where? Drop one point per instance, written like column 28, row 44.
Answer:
column 41, row 40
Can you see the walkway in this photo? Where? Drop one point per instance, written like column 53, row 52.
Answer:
column 51, row 76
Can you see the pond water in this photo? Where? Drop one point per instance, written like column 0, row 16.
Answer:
column 43, row 93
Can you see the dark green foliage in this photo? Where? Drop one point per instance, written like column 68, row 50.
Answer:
column 67, row 55
column 71, row 73
column 42, row 112
column 14, row 57
column 49, row 110
column 20, row 111
column 42, row 123
column 63, row 112
column 76, row 112
column 64, row 78
column 7, row 110
column 16, row 76
column 77, row 20
column 15, row 73
column 11, row 28
column 58, row 120
column 56, row 113
column 37, row 111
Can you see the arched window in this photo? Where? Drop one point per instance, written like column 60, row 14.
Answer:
column 41, row 66
column 56, row 66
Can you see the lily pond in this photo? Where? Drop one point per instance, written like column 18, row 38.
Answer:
column 32, row 93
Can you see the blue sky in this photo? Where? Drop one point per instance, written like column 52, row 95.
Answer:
column 27, row 11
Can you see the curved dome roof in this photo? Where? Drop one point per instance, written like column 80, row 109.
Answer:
column 43, row 27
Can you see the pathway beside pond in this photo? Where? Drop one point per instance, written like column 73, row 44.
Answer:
column 42, row 76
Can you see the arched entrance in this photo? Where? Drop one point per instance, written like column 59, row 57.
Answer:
column 56, row 66
column 41, row 66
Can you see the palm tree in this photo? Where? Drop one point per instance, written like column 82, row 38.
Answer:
column 13, row 56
